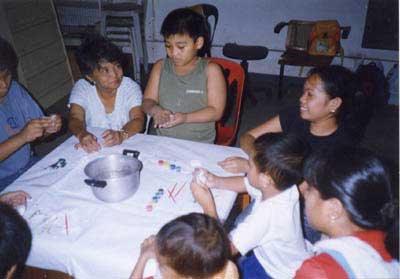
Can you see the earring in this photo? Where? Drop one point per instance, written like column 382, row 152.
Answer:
column 333, row 111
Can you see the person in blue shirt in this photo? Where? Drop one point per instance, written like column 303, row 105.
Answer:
column 21, row 120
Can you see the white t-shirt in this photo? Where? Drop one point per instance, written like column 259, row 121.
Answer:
column 273, row 231
column 129, row 95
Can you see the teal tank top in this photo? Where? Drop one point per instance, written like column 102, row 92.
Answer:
column 185, row 94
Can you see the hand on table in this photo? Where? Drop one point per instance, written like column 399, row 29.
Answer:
column 54, row 124
column 15, row 198
column 174, row 120
column 112, row 137
column 235, row 164
column 160, row 116
column 88, row 142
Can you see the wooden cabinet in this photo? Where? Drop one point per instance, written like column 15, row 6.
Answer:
column 32, row 27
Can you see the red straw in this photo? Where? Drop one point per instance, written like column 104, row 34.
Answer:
column 179, row 190
column 66, row 223
column 170, row 192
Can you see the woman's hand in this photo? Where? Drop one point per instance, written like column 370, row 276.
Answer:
column 88, row 142
column 174, row 120
column 235, row 165
column 15, row 198
column 112, row 137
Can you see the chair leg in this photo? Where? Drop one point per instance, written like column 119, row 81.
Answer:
column 281, row 73
column 245, row 66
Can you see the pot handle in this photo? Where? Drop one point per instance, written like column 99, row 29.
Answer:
column 96, row 183
column 131, row 153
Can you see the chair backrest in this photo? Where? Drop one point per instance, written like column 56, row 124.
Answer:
column 227, row 127
column 207, row 11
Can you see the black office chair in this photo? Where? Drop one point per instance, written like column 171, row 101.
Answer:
column 245, row 53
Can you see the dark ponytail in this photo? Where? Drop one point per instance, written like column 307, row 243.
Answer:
column 361, row 182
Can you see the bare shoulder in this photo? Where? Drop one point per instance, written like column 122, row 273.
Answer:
column 213, row 68
column 214, row 72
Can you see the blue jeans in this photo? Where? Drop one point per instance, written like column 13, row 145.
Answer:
column 250, row 268
column 4, row 182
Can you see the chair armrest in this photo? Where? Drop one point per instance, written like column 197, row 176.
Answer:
column 345, row 31
column 279, row 27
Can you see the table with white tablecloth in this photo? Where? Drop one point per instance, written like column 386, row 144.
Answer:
column 78, row 234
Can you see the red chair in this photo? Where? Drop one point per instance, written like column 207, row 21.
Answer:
column 227, row 127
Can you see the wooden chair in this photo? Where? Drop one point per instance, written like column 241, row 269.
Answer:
column 297, row 42
column 227, row 127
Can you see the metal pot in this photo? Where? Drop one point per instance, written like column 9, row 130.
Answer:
column 114, row 178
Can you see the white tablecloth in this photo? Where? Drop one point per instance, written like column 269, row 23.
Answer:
column 103, row 239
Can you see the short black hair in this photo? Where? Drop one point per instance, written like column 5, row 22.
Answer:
column 94, row 50
column 361, row 182
column 185, row 21
column 8, row 58
column 15, row 240
column 195, row 245
column 281, row 157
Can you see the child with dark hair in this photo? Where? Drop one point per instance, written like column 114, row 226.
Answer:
column 185, row 94
column 21, row 120
column 191, row 246
column 15, row 242
column 103, row 97
column 348, row 197
column 272, row 231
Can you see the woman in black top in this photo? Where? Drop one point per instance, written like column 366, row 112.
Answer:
column 318, row 118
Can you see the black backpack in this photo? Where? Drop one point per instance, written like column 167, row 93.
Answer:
column 372, row 86
column 370, row 94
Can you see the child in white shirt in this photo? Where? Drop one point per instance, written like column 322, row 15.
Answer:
column 272, row 231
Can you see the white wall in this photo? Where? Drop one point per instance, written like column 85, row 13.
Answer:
column 251, row 22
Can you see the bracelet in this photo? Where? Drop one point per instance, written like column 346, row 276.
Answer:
column 124, row 133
